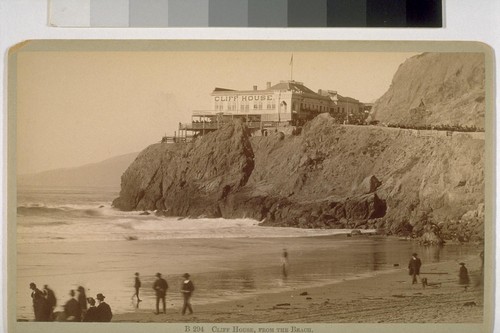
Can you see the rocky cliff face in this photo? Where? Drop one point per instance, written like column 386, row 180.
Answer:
column 330, row 176
column 436, row 89
column 188, row 179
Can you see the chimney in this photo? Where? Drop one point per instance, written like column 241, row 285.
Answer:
column 254, row 87
column 268, row 85
column 320, row 91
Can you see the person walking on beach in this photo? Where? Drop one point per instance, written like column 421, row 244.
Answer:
column 284, row 263
column 91, row 315
column 414, row 267
column 72, row 309
column 187, row 290
column 50, row 301
column 481, row 256
column 39, row 306
column 103, row 310
column 137, row 286
column 463, row 276
column 82, row 299
column 160, row 286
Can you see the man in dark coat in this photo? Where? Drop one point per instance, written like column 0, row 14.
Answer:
column 160, row 286
column 104, row 313
column 91, row 315
column 72, row 309
column 82, row 299
column 50, row 301
column 39, row 304
column 187, row 290
column 463, row 276
column 414, row 267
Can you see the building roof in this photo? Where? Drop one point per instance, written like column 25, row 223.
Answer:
column 297, row 87
column 294, row 86
column 347, row 99
column 223, row 89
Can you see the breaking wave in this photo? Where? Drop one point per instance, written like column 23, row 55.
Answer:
column 62, row 211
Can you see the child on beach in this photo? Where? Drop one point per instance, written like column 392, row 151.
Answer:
column 284, row 263
column 137, row 286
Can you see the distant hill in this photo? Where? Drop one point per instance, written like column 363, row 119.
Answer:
column 436, row 89
column 105, row 173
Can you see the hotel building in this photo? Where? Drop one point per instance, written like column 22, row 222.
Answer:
column 288, row 104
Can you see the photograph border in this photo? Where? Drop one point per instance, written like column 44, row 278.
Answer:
column 252, row 46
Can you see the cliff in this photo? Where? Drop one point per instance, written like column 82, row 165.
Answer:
column 436, row 89
column 330, row 176
column 188, row 179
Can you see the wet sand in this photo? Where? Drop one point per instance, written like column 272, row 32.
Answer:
column 239, row 280
column 387, row 297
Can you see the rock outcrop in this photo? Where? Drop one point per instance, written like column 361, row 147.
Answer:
column 331, row 176
column 188, row 179
column 436, row 89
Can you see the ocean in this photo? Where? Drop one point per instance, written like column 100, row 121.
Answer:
column 70, row 237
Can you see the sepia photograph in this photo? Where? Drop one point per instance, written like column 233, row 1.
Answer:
column 208, row 183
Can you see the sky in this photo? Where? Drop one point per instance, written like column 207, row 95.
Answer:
column 75, row 108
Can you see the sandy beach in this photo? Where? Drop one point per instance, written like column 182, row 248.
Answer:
column 387, row 297
column 237, row 271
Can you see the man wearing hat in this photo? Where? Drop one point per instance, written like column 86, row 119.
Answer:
column 104, row 313
column 91, row 315
column 39, row 304
column 414, row 267
column 160, row 286
column 187, row 290
column 463, row 276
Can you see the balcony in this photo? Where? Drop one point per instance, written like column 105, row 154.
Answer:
column 236, row 112
column 215, row 125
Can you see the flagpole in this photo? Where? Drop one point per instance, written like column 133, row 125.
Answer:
column 291, row 68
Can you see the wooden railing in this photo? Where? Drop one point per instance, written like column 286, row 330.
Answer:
column 215, row 125
column 177, row 139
